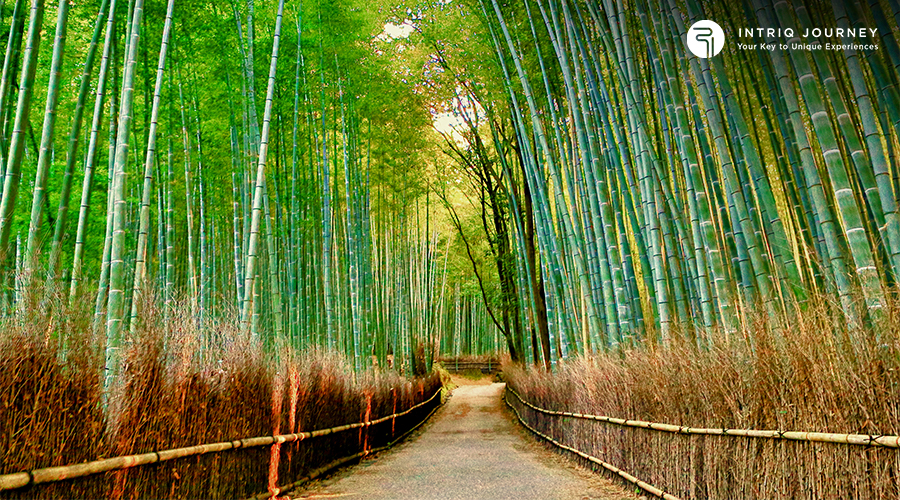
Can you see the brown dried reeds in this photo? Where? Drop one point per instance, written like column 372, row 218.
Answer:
column 50, row 412
column 812, row 374
column 176, row 391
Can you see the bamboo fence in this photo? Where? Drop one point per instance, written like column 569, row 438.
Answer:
column 341, row 461
column 461, row 364
column 60, row 473
column 649, row 488
column 884, row 441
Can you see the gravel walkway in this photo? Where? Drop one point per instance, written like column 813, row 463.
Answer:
column 471, row 449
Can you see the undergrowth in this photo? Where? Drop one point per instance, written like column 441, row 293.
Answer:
column 176, row 389
column 809, row 372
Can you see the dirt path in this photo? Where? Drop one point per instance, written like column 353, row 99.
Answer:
column 471, row 449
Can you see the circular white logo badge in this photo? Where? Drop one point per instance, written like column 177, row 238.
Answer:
column 705, row 38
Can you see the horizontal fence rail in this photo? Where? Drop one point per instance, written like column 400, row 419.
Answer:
column 885, row 441
column 60, row 473
column 341, row 461
column 649, row 488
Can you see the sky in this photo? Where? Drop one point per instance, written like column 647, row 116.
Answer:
column 445, row 123
column 394, row 31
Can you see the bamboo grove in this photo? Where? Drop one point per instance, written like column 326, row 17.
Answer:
column 253, row 185
column 655, row 194
column 260, row 166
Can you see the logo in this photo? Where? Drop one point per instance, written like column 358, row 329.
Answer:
column 705, row 39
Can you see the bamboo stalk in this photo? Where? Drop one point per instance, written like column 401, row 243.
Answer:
column 92, row 150
column 13, row 171
column 140, row 268
column 115, row 312
column 259, row 188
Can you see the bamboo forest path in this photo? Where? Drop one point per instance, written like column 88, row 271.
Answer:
column 471, row 449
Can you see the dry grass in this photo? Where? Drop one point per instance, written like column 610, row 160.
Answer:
column 176, row 391
column 814, row 374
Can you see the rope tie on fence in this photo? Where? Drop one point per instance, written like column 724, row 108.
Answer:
column 880, row 440
column 51, row 474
